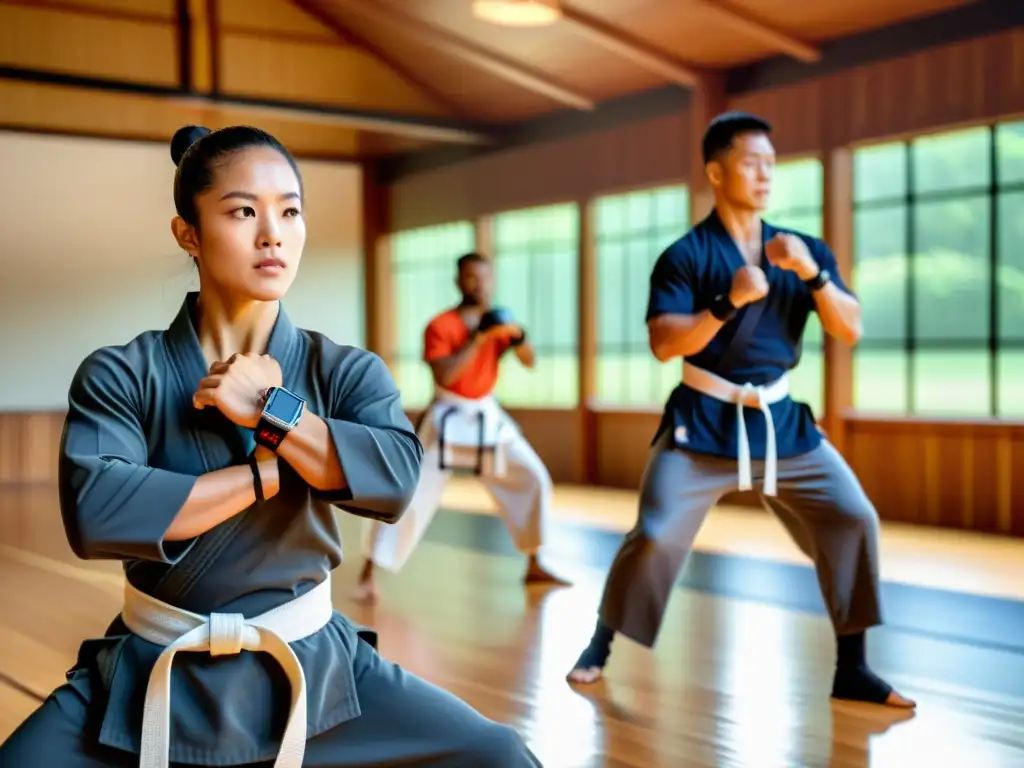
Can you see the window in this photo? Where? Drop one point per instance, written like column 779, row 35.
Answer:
column 423, row 270
column 536, row 255
column 797, row 203
column 631, row 231
column 939, row 266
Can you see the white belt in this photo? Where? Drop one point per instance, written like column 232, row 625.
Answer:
column 745, row 396
column 462, row 430
column 223, row 634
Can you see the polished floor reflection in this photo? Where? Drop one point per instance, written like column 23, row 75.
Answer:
column 740, row 678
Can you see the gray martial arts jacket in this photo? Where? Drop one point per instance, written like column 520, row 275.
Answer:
column 132, row 449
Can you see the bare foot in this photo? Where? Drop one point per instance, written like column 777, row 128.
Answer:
column 535, row 574
column 589, row 667
column 366, row 592
column 585, row 675
column 899, row 701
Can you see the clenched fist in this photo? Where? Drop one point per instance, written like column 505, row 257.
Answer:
column 235, row 387
column 790, row 252
column 748, row 285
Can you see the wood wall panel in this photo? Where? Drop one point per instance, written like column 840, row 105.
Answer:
column 623, row 438
column 935, row 89
column 29, row 443
column 948, row 474
column 639, row 154
column 78, row 44
column 946, row 86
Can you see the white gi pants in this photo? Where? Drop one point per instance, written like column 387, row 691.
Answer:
column 518, row 482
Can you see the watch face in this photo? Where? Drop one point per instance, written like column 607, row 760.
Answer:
column 283, row 405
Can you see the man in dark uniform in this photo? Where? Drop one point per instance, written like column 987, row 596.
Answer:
column 732, row 298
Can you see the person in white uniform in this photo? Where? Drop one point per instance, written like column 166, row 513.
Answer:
column 464, row 428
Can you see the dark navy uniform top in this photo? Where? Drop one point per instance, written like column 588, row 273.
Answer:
column 686, row 278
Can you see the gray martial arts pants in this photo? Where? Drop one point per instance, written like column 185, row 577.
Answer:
column 820, row 502
column 405, row 721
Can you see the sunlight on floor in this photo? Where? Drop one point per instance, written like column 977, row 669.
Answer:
column 954, row 560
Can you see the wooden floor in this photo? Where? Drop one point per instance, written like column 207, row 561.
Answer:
column 740, row 677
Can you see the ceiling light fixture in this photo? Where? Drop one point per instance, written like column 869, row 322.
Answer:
column 517, row 13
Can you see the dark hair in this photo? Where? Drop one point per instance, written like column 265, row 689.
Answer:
column 471, row 258
column 197, row 152
column 727, row 126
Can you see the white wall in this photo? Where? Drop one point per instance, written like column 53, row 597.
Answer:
column 87, row 257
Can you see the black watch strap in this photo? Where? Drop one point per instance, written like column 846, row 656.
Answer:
column 819, row 281
column 257, row 479
column 722, row 309
column 519, row 340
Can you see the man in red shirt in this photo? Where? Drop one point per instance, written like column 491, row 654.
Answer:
column 464, row 427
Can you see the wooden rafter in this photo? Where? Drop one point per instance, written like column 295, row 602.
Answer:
column 780, row 41
column 629, row 47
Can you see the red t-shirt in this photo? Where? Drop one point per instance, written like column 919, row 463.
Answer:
column 445, row 335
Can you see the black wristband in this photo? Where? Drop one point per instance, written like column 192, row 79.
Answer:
column 257, row 480
column 819, row 281
column 518, row 341
column 722, row 309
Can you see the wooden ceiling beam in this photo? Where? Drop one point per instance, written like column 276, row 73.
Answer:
column 415, row 127
column 410, row 127
column 472, row 54
column 632, row 49
column 780, row 41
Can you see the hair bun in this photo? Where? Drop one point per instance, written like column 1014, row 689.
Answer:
column 184, row 138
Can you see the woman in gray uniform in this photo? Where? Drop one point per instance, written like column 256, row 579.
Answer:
column 207, row 458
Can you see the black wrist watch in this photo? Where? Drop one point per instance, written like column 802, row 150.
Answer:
column 519, row 339
column 722, row 309
column 819, row 281
column 281, row 413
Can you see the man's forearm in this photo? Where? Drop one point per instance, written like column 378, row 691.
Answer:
column 449, row 369
column 673, row 336
column 526, row 354
column 840, row 314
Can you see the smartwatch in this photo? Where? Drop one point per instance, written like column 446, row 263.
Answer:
column 819, row 281
column 722, row 309
column 281, row 413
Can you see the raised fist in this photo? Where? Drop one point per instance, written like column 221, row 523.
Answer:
column 236, row 387
column 790, row 252
column 748, row 285
column 499, row 323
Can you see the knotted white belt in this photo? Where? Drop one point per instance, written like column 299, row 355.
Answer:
column 223, row 634
column 745, row 396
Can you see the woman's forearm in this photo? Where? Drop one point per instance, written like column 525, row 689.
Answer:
column 310, row 451
column 220, row 495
